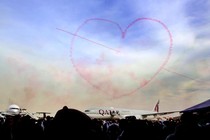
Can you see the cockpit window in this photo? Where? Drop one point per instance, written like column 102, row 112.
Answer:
column 15, row 108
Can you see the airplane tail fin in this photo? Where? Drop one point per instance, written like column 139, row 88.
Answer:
column 156, row 108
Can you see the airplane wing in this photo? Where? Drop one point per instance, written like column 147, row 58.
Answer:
column 43, row 112
column 4, row 113
column 158, row 113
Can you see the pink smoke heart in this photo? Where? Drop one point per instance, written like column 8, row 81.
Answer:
column 112, row 69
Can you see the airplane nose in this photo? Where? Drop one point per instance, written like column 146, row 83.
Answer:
column 13, row 109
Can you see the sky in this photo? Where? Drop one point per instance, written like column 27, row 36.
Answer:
column 83, row 54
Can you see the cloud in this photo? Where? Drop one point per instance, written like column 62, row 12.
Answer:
column 38, row 60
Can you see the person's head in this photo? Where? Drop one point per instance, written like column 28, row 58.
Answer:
column 69, row 122
column 188, row 118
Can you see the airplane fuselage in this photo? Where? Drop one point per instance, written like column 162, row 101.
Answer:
column 115, row 113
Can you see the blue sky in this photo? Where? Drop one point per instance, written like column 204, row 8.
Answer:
column 72, row 52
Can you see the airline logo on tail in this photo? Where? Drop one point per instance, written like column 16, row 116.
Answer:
column 156, row 108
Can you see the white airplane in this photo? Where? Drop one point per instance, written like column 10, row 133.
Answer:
column 14, row 110
column 44, row 114
column 121, row 113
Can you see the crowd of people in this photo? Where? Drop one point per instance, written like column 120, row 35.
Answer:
column 72, row 124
